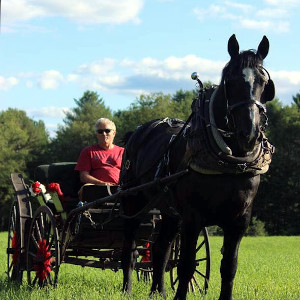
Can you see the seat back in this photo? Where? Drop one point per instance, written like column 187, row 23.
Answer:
column 63, row 173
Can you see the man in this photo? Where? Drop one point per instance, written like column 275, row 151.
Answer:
column 100, row 164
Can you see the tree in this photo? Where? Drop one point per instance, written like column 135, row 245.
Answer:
column 296, row 100
column 24, row 145
column 277, row 202
column 154, row 106
column 78, row 130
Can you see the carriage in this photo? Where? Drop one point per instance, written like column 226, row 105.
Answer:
column 48, row 229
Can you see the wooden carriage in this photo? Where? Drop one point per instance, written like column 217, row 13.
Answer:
column 48, row 230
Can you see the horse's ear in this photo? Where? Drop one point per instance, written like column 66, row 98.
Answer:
column 263, row 48
column 269, row 92
column 233, row 46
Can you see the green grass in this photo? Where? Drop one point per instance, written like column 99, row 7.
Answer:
column 269, row 268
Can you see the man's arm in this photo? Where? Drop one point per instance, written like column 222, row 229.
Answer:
column 85, row 177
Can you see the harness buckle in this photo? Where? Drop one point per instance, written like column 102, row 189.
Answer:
column 127, row 164
column 221, row 163
column 242, row 167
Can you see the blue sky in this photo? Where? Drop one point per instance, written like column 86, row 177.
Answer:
column 51, row 51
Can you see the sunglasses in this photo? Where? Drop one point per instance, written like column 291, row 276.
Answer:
column 101, row 131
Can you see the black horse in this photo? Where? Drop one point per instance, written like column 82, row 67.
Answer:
column 225, row 150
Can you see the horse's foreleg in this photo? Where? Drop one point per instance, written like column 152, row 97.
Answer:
column 129, row 255
column 161, row 251
column 187, row 265
column 229, row 262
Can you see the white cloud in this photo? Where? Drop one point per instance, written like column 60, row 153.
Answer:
column 245, row 8
column 50, row 80
column 286, row 84
column 48, row 112
column 265, row 25
column 80, row 11
column 212, row 12
column 172, row 67
column 20, row 10
column 134, row 77
column 275, row 18
column 72, row 77
column 148, row 75
column 8, row 83
column 97, row 68
column 288, row 77
column 273, row 13
column 284, row 3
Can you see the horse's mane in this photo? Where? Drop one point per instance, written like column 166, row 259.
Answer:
column 135, row 138
column 245, row 59
column 124, row 140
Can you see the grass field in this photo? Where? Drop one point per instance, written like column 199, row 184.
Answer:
column 269, row 269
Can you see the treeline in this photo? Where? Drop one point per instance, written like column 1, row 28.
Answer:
column 25, row 144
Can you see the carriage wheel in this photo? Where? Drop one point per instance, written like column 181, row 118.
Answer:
column 199, row 281
column 14, row 270
column 43, row 251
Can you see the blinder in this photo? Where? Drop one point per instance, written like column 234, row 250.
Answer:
column 269, row 90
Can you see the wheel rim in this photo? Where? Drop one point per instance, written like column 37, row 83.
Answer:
column 200, row 279
column 14, row 271
column 43, row 254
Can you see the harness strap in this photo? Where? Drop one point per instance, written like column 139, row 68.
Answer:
column 236, row 105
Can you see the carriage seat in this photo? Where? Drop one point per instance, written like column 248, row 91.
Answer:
column 62, row 173
column 69, row 180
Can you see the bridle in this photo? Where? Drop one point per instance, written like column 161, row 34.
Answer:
column 249, row 102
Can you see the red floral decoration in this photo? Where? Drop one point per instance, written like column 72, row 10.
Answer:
column 36, row 187
column 55, row 187
column 15, row 245
column 146, row 257
column 42, row 266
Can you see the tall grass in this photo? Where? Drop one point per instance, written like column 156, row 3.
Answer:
column 269, row 269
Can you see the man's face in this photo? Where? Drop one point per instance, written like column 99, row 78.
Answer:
column 105, row 135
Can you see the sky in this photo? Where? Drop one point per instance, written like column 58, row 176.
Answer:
column 52, row 51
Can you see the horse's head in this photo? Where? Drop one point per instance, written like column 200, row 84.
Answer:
column 247, row 87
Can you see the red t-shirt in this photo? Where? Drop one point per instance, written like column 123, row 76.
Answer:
column 100, row 163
